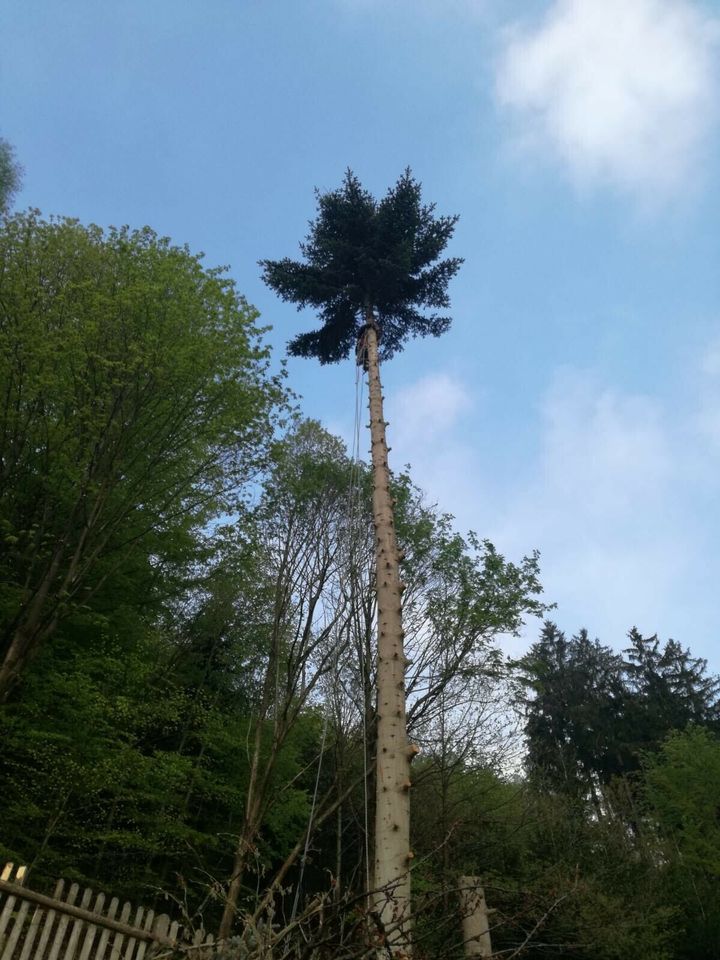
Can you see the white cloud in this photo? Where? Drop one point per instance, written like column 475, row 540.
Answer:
column 619, row 496
column 425, row 429
column 594, row 441
column 428, row 408
column 620, row 91
column 710, row 360
column 605, row 506
column 429, row 429
column 619, row 493
column 707, row 420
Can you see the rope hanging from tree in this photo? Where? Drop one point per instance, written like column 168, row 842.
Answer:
column 353, row 502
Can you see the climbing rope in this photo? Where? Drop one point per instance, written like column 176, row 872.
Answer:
column 353, row 501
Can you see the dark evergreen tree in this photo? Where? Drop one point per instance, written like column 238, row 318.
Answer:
column 590, row 714
column 364, row 254
column 371, row 268
column 668, row 689
column 575, row 703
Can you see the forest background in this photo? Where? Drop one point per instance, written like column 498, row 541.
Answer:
column 188, row 669
column 172, row 647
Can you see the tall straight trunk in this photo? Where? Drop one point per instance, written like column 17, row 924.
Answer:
column 392, row 792
column 338, row 848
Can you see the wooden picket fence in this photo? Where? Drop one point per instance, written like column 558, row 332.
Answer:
column 72, row 925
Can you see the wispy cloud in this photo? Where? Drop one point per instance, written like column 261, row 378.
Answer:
column 618, row 494
column 708, row 416
column 601, row 502
column 621, row 92
column 710, row 361
column 429, row 423
column 429, row 408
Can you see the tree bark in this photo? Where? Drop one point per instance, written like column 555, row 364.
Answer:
column 392, row 793
column 476, row 930
column 248, row 833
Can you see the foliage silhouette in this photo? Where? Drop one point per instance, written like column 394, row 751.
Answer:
column 366, row 255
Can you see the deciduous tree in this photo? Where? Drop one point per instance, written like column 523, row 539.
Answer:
column 10, row 175
column 135, row 402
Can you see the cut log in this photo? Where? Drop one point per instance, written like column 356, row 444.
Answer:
column 476, row 929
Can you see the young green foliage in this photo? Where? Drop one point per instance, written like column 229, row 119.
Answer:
column 10, row 175
column 136, row 401
column 364, row 254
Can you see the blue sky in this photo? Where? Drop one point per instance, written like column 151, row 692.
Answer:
column 574, row 406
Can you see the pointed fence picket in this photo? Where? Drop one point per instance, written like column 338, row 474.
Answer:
column 37, row 927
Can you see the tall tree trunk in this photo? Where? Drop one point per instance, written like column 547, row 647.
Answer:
column 27, row 633
column 338, row 848
column 392, row 792
column 249, row 830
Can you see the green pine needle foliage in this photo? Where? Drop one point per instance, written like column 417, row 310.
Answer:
column 362, row 253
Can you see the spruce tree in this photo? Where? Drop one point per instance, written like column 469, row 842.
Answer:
column 669, row 689
column 373, row 272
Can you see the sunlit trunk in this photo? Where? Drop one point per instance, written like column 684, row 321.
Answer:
column 392, row 796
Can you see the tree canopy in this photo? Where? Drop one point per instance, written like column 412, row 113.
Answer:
column 362, row 254
column 188, row 588
column 135, row 401
column 10, row 174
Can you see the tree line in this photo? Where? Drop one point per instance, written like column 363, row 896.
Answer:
column 187, row 606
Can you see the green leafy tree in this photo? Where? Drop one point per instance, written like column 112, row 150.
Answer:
column 135, row 403
column 10, row 175
column 682, row 785
column 681, row 790
column 460, row 597
column 134, row 779
column 560, row 883
column 302, row 529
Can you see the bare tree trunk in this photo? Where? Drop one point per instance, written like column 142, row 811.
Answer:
column 12, row 664
column 392, row 792
column 476, row 930
column 27, row 633
column 338, row 848
column 248, row 832
column 299, row 643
